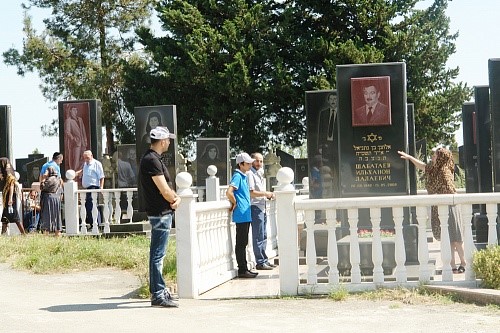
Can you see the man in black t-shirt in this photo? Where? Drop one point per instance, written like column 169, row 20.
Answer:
column 160, row 201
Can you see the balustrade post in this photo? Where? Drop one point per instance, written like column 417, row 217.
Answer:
column 105, row 213
column 83, row 213
column 312, row 276
column 130, row 208
column 287, row 232
column 446, row 252
column 332, row 250
column 469, row 247
column 399, row 248
column 95, row 214
column 186, row 240
column 353, row 217
column 491, row 213
column 118, row 208
column 423, row 247
column 71, row 204
column 377, row 252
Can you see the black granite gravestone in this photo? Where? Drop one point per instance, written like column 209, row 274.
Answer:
column 147, row 118
column 5, row 132
column 483, row 131
column 369, row 160
column 494, row 84
column 412, row 172
column 373, row 126
column 286, row 160
column 212, row 151
column 301, row 170
column 80, row 129
column 322, row 143
column 33, row 170
column 470, row 147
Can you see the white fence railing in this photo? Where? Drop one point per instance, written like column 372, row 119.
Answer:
column 293, row 282
column 205, row 236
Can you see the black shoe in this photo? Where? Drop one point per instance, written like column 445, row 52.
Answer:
column 247, row 275
column 169, row 296
column 164, row 303
column 271, row 264
column 264, row 267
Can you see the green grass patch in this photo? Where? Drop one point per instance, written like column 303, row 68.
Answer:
column 42, row 254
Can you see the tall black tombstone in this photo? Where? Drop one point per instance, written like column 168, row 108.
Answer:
column 483, row 131
column 494, row 83
column 470, row 147
column 147, row 118
column 322, row 143
column 412, row 172
column 80, row 129
column 369, row 161
column 373, row 127
column 5, row 132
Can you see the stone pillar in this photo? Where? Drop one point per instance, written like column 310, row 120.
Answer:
column 212, row 185
column 71, row 204
column 287, row 232
column 185, row 233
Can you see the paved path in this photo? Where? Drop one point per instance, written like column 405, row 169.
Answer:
column 103, row 301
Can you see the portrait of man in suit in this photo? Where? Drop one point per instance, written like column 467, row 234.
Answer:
column 327, row 128
column 374, row 94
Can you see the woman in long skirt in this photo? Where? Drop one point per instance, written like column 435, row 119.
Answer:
column 50, row 214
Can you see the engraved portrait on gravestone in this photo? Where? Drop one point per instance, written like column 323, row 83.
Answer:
column 212, row 151
column 371, row 101
column 76, row 133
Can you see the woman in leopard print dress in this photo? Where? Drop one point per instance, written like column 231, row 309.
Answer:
column 439, row 179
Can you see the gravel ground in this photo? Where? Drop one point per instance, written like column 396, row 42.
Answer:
column 104, row 301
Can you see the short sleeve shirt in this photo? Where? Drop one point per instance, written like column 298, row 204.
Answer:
column 154, row 202
column 53, row 164
column 255, row 184
column 242, row 212
column 92, row 173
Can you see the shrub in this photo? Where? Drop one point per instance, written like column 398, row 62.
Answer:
column 486, row 265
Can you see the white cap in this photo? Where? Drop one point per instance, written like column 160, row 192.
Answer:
column 244, row 157
column 161, row 133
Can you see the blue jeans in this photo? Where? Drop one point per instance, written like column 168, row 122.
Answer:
column 160, row 230
column 259, row 234
column 31, row 219
column 89, row 205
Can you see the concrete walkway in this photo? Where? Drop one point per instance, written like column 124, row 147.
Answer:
column 103, row 301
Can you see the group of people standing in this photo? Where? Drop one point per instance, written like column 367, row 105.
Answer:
column 247, row 195
column 43, row 212
column 47, row 211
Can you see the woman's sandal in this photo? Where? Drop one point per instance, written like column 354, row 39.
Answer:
column 461, row 269
column 455, row 271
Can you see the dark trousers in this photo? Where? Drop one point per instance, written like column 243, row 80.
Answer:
column 241, row 245
column 89, row 205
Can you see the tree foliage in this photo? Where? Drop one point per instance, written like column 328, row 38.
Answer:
column 241, row 68
column 80, row 52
